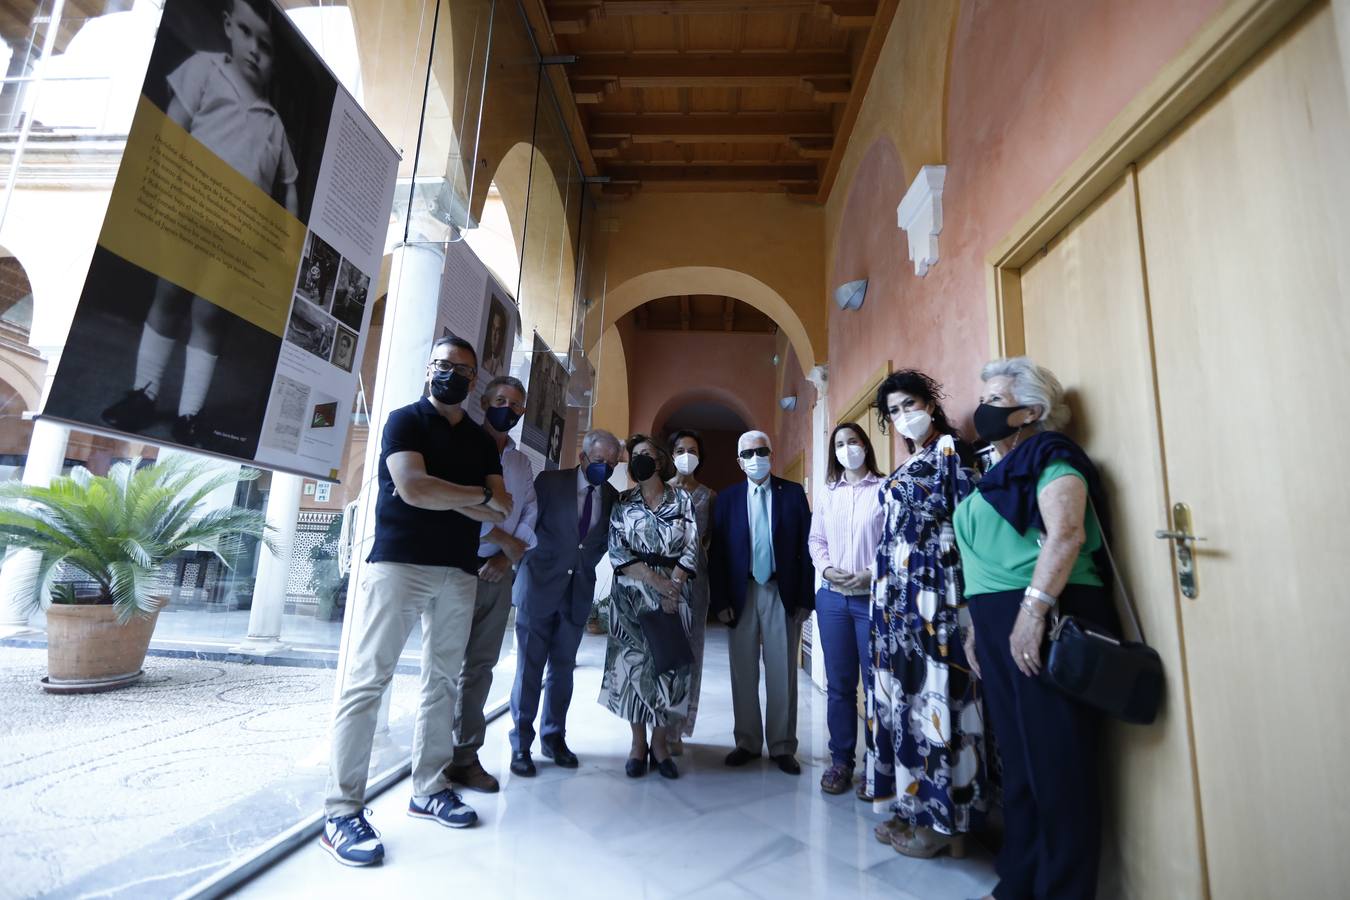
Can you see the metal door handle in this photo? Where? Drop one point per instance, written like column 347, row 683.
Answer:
column 1187, row 578
column 1164, row 535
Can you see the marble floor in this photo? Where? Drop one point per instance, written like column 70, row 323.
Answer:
column 593, row 833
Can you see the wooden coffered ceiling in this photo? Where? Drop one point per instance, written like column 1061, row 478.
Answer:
column 722, row 95
column 701, row 312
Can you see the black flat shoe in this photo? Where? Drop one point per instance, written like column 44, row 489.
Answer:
column 521, row 764
column 635, row 768
column 665, row 767
column 556, row 750
column 788, row 763
column 740, row 756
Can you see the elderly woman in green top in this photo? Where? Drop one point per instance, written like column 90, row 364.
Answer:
column 1028, row 536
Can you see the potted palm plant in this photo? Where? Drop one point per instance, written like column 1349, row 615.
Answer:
column 115, row 531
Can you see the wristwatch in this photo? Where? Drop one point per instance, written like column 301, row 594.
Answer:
column 487, row 496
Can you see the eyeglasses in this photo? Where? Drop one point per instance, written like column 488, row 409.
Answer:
column 757, row 451
column 443, row 366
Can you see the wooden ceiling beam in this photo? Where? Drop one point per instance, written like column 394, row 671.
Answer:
column 725, row 70
column 850, row 14
column 575, row 17
column 705, row 129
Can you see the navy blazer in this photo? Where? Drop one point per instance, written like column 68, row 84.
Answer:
column 558, row 574
column 730, row 561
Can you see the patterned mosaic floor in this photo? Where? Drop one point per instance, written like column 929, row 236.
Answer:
column 208, row 759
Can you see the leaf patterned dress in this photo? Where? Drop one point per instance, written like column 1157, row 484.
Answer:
column 663, row 538
column 928, row 765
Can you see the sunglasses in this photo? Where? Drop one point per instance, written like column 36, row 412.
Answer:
column 758, row 451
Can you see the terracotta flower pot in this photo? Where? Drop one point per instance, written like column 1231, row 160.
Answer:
column 88, row 651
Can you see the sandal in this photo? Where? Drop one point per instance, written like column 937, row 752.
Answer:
column 925, row 843
column 886, row 831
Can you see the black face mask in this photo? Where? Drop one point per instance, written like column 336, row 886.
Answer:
column 991, row 422
column 449, row 388
column 502, row 418
column 641, row 467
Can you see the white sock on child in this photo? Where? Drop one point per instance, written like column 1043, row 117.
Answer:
column 198, row 366
column 151, row 359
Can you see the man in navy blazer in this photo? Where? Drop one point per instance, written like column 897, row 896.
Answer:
column 553, row 593
column 763, row 586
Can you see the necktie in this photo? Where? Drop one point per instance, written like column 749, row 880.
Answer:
column 762, row 548
column 584, row 525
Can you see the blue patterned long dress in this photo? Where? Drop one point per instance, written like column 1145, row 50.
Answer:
column 632, row 688
column 928, row 765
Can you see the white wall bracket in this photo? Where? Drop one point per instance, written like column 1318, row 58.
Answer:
column 920, row 215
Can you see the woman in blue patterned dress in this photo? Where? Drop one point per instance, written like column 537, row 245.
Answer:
column 928, row 765
column 654, row 545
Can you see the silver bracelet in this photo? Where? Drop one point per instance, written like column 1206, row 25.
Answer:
column 1030, row 609
column 1041, row 597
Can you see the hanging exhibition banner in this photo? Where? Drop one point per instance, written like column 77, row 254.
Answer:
column 474, row 306
column 546, row 406
column 227, row 304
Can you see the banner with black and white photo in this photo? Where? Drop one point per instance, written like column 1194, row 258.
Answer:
column 546, row 406
column 474, row 306
column 227, row 305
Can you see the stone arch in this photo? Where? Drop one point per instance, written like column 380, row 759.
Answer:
column 543, row 216
column 714, row 395
column 628, row 296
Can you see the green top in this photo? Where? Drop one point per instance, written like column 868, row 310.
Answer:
column 994, row 557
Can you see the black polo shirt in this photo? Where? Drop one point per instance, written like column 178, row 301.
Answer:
column 461, row 454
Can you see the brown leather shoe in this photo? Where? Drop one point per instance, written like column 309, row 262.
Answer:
column 887, row 831
column 474, row 777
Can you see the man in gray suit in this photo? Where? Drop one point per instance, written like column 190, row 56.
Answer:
column 553, row 594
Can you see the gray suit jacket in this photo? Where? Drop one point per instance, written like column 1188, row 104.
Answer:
column 558, row 575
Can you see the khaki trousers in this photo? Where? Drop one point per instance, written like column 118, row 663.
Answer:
column 491, row 610
column 395, row 595
column 765, row 626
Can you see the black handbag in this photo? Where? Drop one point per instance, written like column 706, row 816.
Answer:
column 1121, row 678
column 666, row 639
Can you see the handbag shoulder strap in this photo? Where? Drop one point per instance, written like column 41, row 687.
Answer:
column 1115, row 575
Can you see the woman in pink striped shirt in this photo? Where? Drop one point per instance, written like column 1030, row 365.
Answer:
column 845, row 529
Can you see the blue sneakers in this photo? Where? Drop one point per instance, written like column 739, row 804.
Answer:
column 444, row 807
column 352, row 841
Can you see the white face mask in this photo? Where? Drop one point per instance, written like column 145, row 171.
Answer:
column 913, row 425
column 756, row 467
column 686, row 463
column 850, row 456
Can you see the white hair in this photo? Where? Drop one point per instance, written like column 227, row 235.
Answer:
column 1032, row 385
column 752, row 436
column 600, row 436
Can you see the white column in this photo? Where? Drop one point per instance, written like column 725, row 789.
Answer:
column 409, row 329
column 269, row 590
column 820, row 438
column 46, row 457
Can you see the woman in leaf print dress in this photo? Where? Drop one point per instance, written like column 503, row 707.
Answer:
column 654, row 545
column 929, row 765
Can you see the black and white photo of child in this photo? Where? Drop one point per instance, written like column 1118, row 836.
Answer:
column 103, row 352
column 318, row 272
column 555, row 436
column 494, row 340
column 311, row 330
column 216, row 71
column 344, row 349
column 349, row 302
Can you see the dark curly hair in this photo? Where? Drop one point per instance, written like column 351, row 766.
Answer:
column 919, row 386
column 665, row 467
column 693, row 436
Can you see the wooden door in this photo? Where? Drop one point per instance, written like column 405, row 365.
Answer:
column 1246, row 226
column 1085, row 313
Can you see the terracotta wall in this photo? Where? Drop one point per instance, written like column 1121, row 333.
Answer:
column 667, row 369
column 792, row 428
column 1030, row 85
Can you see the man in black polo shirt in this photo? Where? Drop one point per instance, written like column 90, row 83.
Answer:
column 440, row 478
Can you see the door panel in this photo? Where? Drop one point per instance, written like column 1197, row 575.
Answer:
column 1086, row 319
column 1246, row 223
